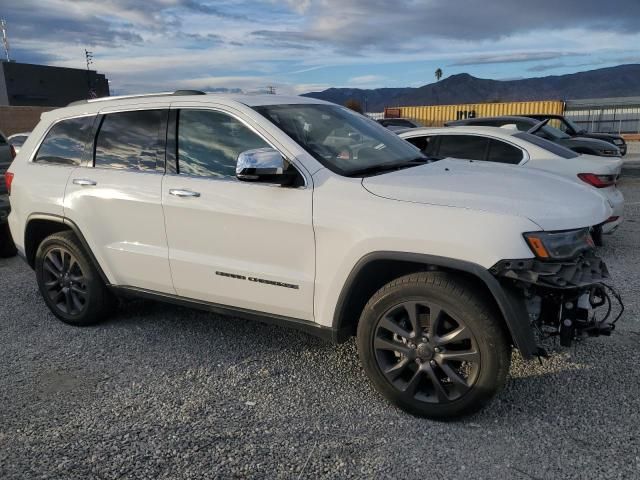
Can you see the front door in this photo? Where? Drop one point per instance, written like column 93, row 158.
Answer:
column 235, row 243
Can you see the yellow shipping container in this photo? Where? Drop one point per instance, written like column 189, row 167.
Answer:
column 437, row 115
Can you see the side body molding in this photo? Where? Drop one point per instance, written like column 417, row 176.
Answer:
column 510, row 303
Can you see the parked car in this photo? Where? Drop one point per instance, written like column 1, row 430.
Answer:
column 590, row 146
column 240, row 204
column 17, row 139
column 513, row 147
column 7, row 248
column 567, row 126
column 396, row 123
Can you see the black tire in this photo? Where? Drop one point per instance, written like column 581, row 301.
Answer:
column 7, row 247
column 597, row 236
column 424, row 376
column 70, row 283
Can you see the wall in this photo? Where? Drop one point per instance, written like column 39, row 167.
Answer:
column 437, row 115
column 20, row 119
column 30, row 85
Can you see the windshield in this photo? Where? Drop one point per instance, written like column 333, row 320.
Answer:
column 573, row 125
column 554, row 133
column 18, row 140
column 343, row 141
column 547, row 145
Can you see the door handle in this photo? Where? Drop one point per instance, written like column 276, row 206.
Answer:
column 178, row 192
column 84, row 182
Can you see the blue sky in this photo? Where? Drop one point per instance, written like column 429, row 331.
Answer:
column 304, row 45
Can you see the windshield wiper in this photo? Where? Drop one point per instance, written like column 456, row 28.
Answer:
column 387, row 167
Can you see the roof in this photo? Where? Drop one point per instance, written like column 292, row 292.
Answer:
column 95, row 105
column 492, row 131
column 604, row 102
column 500, row 117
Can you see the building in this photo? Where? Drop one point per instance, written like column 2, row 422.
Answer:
column 611, row 115
column 27, row 85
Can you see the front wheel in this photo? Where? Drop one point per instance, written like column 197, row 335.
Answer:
column 432, row 346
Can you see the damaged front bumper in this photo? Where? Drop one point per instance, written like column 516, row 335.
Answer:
column 569, row 298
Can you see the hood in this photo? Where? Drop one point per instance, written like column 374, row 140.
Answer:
column 590, row 142
column 607, row 137
column 548, row 200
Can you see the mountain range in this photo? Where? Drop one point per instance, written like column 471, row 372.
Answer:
column 620, row 81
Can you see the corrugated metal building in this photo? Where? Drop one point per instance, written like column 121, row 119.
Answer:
column 436, row 115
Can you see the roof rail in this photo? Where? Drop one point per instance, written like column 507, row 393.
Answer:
column 140, row 95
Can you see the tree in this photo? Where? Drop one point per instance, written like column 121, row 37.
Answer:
column 354, row 105
column 438, row 74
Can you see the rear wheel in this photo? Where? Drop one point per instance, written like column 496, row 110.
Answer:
column 69, row 282
column 432, row 346
column 7, row 247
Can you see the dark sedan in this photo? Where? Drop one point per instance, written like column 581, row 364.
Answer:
column 565, row 125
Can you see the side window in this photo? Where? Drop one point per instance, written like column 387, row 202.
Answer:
column 65, row 142
column 426, row 144
column 469, row 147
column 502, row 152
column 131, row 140
column 209, row 143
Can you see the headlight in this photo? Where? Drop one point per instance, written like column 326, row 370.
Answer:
column 559, row 245
column 610, row 153
column 618, row 141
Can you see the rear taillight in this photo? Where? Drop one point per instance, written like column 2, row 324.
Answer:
column 13, row 151
column 8, row 178
column 598, row 181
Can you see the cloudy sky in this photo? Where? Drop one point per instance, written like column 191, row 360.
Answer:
column 304, row 45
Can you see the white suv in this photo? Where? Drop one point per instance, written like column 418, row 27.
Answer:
column 304, row 213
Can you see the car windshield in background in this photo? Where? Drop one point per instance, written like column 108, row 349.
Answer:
column 547, row 145
column 554, row 132
column 343, row 141
column 18, row 140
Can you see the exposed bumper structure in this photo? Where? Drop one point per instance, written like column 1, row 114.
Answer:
column 582, row 271
column 563, row 298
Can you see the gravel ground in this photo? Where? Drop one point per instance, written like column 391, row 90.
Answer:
column 165, row 392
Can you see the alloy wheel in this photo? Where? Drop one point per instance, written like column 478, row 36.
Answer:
column 64, row 281
column 425, row 352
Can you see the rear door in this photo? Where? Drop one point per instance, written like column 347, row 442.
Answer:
column 116, row 199
column 468, row 147
column 234, row 243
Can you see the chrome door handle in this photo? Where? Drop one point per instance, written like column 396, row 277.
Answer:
column 178, row 192
column 84, row 182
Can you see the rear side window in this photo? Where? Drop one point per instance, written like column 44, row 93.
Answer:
column 547, row 145
column 469, row 147
column 66, row 141
column 502, row 152
column 131, row 140
column 209, row 143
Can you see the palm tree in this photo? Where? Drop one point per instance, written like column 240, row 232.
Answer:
column 438, row 74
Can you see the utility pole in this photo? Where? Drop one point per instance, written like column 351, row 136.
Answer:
column 88, row 56
column 271, row 89
column 5, row 38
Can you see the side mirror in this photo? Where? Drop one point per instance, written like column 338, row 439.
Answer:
column 264, row 165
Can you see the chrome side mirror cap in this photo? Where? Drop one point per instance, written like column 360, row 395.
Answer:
column 264, row 165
